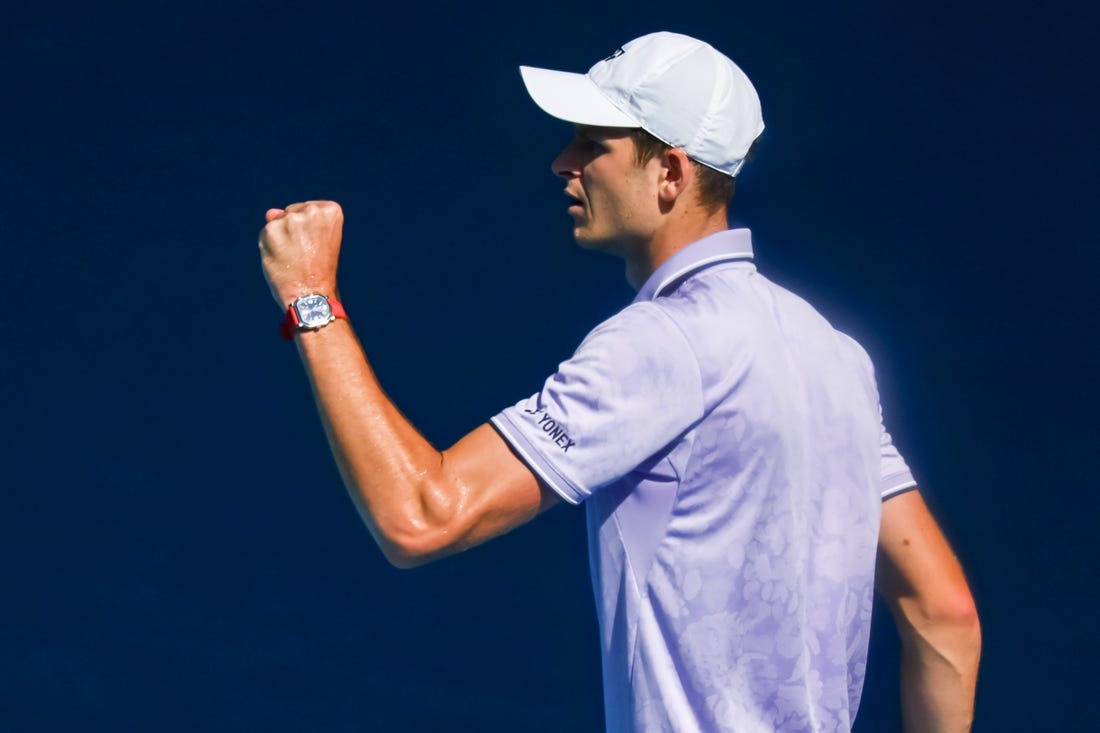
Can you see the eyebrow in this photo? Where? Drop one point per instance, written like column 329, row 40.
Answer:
column 593, row 132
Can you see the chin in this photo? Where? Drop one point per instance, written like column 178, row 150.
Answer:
column 585, row 240
column 608, row 245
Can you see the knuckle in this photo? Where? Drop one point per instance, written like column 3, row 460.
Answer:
column 325, row 207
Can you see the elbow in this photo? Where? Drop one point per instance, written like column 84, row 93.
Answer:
column 403, row 560
column 949, row 624
column 955, row 610
column 413, row 544
column 406, row 555
column 965, row 618
column 421, row 526
column 960, row 620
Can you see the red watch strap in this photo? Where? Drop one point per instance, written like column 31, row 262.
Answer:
column 289, row 325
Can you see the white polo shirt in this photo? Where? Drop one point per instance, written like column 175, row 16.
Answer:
column 729, row 448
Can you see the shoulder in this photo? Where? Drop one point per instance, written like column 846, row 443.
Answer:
column 645, row 322
column 642, row 337
column 721, row 312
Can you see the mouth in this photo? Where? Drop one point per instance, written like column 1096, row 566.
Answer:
column 575, row 204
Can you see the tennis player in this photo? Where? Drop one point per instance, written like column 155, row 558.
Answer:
column 726, row 441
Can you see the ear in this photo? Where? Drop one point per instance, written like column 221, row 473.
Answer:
column 677, row 173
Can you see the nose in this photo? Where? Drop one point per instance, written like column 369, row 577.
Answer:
column 567, row 163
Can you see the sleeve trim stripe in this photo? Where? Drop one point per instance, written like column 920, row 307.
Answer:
column 553, row 478
column 900, row 488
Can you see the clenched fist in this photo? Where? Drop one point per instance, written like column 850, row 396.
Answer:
column 299, row 249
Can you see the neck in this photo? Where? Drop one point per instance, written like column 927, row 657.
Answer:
column 667, row 241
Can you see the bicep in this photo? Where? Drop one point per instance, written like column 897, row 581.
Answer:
column 493, row 491
column 918, row 574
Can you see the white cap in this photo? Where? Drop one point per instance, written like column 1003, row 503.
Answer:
column 678, row 89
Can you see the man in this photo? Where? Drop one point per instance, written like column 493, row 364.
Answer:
column 726, row 441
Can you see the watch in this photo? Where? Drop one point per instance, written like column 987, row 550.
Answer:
column 311, row 312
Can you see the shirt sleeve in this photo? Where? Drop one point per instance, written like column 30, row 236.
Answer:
column 630, row 389
column 896, row 476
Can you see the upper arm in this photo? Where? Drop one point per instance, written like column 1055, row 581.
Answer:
column 631, row 387
column 483, row 490
column 918, row 574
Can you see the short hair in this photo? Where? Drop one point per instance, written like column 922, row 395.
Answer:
column 714, row 187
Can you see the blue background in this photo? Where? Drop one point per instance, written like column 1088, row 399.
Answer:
column 177, row 550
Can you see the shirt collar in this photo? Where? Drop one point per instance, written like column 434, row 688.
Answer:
column 725, row 246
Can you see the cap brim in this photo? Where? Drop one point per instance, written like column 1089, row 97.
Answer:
column 573, row 98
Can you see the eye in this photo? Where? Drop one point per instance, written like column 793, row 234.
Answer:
column 590, row 145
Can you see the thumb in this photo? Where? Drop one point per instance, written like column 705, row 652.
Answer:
column 273, row 214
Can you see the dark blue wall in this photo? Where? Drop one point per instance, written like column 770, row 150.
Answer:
column 177, row 550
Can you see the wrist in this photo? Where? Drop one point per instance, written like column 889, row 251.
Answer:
column 311, row 312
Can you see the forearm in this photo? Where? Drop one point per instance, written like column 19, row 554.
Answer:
column 395, row 477
column 939, row 673
column 419, row 503
column 921, row 580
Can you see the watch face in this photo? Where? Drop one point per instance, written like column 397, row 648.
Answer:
column 313, row 311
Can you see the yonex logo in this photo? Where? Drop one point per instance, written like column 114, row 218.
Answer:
column 618, row 52
column 554, row 431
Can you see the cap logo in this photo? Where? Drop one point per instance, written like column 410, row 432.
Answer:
column 618, row 52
